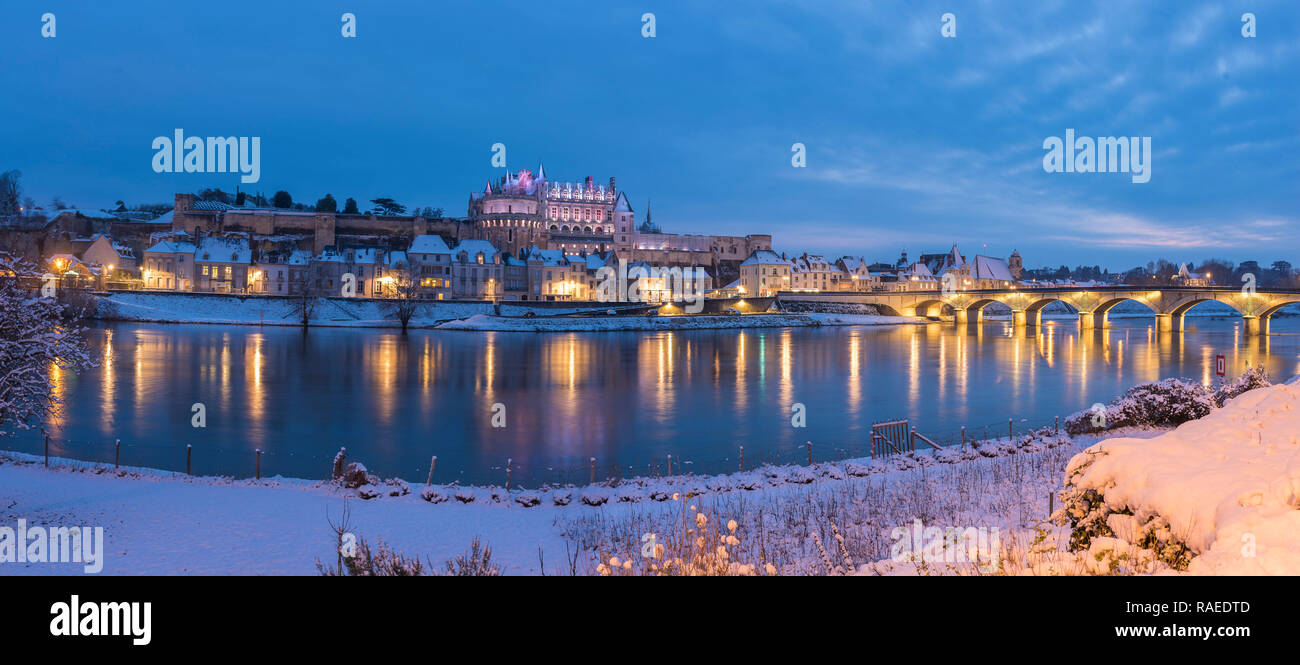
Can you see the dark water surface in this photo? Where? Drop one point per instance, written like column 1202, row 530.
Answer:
column 627, row 399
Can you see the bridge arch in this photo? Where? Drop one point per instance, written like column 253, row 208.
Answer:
column 932, row 307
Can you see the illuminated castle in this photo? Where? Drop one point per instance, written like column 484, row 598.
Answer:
column 524, row 209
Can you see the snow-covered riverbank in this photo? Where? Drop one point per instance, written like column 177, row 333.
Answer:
column 159, row 522
column 148, row 307
column 633, row 323
column 1224, row 488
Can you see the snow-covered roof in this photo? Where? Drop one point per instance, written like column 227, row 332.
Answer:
column 764, row 257
column 428, row 244
column 364, row 255
column 395, row 259
column 472, row 248
column 548, row 257
column 988, row 267
column 223, row 250
column 211, row 205
column 918, row 270
column 172, row 247
column 165, row 218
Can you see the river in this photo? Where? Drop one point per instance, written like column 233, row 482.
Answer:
column 629, row 400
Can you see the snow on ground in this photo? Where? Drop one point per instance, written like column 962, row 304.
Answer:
column 641, row 323
column 1227, row 485
column 159, row 522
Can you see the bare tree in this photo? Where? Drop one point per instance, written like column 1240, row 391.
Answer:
column 405, row 292
column 304, row 308
column 36, row 336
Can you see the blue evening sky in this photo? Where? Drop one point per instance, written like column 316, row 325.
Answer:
column 913, row 141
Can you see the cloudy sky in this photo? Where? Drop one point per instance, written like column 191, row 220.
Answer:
column 914, row 141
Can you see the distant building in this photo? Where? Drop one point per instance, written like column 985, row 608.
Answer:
column 764, row 273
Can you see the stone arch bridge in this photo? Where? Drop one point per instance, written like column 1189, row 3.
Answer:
column 1169, row 303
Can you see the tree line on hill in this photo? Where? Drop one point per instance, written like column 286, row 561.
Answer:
column 382, row 206
column 1162, row 272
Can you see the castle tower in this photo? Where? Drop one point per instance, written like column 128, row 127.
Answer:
column 1015, row 265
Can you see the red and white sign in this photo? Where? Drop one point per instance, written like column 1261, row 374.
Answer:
column 1220, row 366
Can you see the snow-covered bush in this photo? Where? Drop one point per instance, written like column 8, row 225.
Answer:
column 397, row 487
column 36, row 335
column 528, row 499
column 1114, row 534
column 1161, row 404
column 433, row 495
column 477, row 562
column 594, row 497
column 1255, row 377
column 380, row 562
column 463, row 494
column 355, row 475
column 561, row 497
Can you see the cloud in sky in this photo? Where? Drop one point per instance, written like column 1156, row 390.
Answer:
column 914, row 141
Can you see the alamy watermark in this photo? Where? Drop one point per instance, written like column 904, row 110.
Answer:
column 53, row 544
column 213, row 154
column 947, row 545
column 1104, row 154
column 642, row 283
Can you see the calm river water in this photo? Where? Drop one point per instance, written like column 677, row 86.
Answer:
column 628, row 399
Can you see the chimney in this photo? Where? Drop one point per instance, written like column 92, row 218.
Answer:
column 588, row 188
column 612, row 188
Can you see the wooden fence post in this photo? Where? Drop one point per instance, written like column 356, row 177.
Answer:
column 259, row 463
column 508, row 461
column 432, row 463
column 670, row 464
column 742, row 458
column 591, row 479
column 47, row 450
column 1009, row 430
column 117, row 452
column 963, row 436
column 810, row 453
column 188, row 449
column 1057, row 426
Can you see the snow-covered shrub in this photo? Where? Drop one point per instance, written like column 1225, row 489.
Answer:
column 660, row 495
column 356, row 475
column 1161, row 404
column 594, row 497
column 630, row 494
column 800, row 475
column 859, row 469
column 527, row 499
column 561, row 497
column 433, row 495
column 1255, row 377
column 1106, row 532
column 36, row 335
column 397, row 487
column 381, row 562
column 834, row 473
column 464, row 494
column 369, row 492
column 477, row 562
column 498, row 495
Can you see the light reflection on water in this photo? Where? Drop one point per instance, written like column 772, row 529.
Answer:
column 627, row 399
